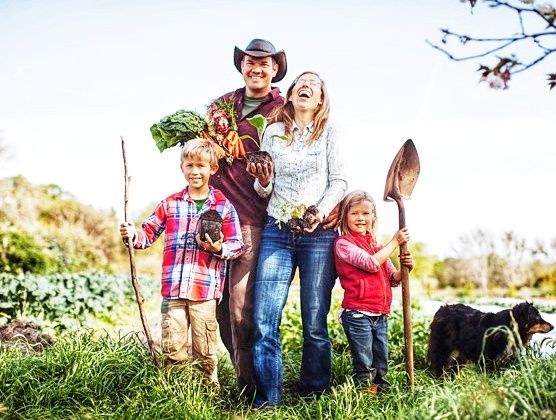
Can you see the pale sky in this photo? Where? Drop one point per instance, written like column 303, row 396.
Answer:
column 75, row 75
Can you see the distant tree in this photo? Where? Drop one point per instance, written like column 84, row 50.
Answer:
column 455, row 272
column 535, row 27
column 46, row 230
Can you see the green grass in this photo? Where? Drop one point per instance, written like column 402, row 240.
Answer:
column 98, row 376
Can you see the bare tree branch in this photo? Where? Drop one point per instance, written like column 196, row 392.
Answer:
column 499, row 74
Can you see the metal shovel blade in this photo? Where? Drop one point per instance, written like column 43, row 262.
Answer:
column 403, row 173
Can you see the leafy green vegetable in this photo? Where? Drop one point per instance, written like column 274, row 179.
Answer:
column 260, row 123
column 177, row 128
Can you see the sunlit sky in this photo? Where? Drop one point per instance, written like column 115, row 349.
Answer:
column 75, row 75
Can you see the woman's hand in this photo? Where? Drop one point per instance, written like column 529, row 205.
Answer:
column 317, row 219
column 261, row 171
column 208, row 245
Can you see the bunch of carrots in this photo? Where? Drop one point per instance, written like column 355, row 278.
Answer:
column 234, row 144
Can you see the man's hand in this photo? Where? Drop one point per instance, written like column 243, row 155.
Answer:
column 333, row 219
column 208, row 245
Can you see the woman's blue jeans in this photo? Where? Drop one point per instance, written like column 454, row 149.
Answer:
column 281, row 252
column 368, row 342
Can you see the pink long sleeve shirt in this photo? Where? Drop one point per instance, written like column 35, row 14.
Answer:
column 366, row 283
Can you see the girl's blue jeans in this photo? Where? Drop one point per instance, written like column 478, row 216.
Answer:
column 368, row 342
column 281, row 252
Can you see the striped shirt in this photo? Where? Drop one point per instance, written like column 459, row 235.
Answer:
column 189, row 272
column 309, row 174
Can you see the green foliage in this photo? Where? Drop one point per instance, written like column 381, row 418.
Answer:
column 20, row 253
column 176, row 128
column 85, row 376
column 259, row 122
column 89, row 377
column 63, row 300
column 45, row 230
column 546, row 280
column 292, row 339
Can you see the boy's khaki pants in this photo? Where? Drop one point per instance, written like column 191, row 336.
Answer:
column 178, row 315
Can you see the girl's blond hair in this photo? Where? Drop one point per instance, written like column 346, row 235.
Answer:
column 286, row 112
column 202, row 148
column 353, row 198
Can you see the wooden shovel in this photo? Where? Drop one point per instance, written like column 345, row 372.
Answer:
column 400, row 181
column 137, row 289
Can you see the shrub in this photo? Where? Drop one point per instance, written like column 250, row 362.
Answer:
column 63, row 300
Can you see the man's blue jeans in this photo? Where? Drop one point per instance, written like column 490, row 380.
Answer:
column 281, row 252
column 368, row 342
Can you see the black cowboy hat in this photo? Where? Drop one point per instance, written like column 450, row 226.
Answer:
column 262, row 48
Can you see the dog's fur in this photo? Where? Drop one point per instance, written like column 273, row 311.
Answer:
column 456, row 335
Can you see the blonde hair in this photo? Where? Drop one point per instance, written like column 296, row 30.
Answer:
column 202, row 148
column 350, row 200
column 286, row 112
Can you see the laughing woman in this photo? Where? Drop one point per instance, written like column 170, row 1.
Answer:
column 307, row 170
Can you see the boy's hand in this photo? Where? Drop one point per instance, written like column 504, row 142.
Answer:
column 208, row 245
column 401, row 236
column 127, row 231
column 407, row 260
column 261, row 171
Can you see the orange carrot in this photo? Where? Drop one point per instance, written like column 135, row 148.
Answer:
column 241, row 148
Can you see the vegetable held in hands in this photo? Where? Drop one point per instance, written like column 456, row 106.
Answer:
column 177, row 128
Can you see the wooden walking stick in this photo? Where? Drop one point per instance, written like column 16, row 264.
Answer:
column 400, row 181
column 138, row 295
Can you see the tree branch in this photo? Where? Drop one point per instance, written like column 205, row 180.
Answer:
column 508, row 65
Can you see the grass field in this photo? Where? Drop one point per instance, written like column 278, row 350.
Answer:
column 97, row 375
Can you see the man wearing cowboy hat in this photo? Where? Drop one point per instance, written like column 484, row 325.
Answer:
column 260, row 64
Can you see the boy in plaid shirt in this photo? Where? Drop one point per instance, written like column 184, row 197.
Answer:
column 193, row 268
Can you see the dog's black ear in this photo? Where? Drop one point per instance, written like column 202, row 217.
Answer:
column 521, row 312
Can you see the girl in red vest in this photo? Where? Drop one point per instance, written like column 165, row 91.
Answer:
column 367, row 276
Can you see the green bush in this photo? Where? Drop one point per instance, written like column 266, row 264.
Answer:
column 64, row 300
column 20, row 253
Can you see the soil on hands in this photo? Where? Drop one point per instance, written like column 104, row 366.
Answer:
column 210, row 222
column 308, row 219
column 260, row 156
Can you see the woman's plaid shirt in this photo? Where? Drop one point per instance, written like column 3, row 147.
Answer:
column 188, row 272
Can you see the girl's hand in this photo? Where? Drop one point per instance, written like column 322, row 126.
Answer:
column 127, row 231
column 401, row 236
column 208, row 245
column 407, row 260
column 261, row 171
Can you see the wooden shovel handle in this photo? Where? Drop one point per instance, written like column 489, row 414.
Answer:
column 406, row 304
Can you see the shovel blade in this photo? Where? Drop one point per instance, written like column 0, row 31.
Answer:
column 403, row 173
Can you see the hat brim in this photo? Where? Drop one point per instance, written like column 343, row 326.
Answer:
column 279, row 57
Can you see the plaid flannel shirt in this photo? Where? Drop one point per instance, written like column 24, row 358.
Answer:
column 189, row 272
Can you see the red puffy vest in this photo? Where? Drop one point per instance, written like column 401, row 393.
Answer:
column 364, row 291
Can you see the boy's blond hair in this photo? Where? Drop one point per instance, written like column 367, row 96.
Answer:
column 202, row 148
